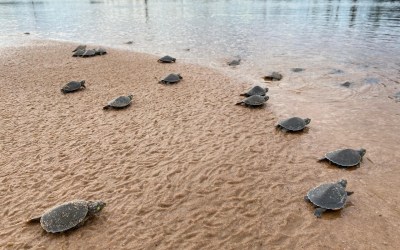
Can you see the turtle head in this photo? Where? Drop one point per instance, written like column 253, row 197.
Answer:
column 266, row 90
column 362, row 152
column 307, row 120
column 95, row 207
column 342, row 183
column 266, row 98
column 130, row 96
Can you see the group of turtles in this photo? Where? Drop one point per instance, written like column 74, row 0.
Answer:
column 327, row 196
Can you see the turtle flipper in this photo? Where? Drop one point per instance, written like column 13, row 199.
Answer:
column 319, row 211
column 349, row 193
column 306, row 198
column 106, row 107
column 238, row 103
column 244, row 94
column 34, row 219
column 321, row 159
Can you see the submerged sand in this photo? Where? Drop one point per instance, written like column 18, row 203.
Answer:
column 182, row 167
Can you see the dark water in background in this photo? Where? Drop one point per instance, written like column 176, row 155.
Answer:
column 359, row 38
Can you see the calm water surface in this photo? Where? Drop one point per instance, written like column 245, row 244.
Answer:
column 335, row 41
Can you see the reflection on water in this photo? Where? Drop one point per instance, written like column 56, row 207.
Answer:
column 265, row 34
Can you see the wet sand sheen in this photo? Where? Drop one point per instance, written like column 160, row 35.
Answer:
column 182, row 168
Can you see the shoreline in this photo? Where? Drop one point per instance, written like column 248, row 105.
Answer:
column 182, row 167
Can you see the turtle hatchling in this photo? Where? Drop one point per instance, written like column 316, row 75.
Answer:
column 100, row 51
column 119, row 102
column 345, row 158
column 79, row 53
column 167, row 59
column 73, row 86
column 89, row 52
column 256, row 90
column 80, row 47
column 326, row 196
column 69, row 215
column 234, row 62
column 171, row 78
column 254, row 101
column 293, row 124
column 274, row 76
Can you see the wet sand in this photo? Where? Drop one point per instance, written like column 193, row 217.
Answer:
column 183, row 167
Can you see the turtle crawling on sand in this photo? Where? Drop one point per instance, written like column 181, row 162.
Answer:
column 234, row 62
column 119, row 102
column 254, row 101
column 167, row 59
column 171, row 78
column 274, row 76
column 68, row 215
column 256, row 90
column 73, row 86
column 345, row 158
column 326, row 196
column 293, row 124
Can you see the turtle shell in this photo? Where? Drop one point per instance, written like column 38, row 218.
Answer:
column 294, row 123
column 65, row 216
column 79, row 52
column 329, row 195
column 100, row 51
column 121, row 101
column 255, row 100
column 167, row 59
column 256, row 90
column 73, row 86
column 345, row 157
column 90, row 52
column 80, row 47
column 171, row 78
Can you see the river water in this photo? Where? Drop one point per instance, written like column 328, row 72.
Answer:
column 334, row 41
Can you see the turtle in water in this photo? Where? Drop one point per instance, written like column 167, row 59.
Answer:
column 171, row 78
column 256, row 90
column 293, row 124
column 326, row 196
column 79, row 53
column 166, row 59
column 119, row 102
column 234, row 62
column 274, row 76
column 73, row 86
column 80, row 47
column 100, row 51
column 345, row 158
column 68, row 215
column 297, row 69
column 254, row 101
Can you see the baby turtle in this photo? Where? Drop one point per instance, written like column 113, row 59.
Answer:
column 80, row 47
column 167, row 59
column 68, row 215
column 297, row 70
column 256, row 90
column 89, row 52
column 119, row 102
column 293, row 124
column 326, row 196
column 345, row 158
column 234, row 62
column 254, row 101
column 100, row 51
column 73, row 86
column 275, row 76
column 171, row 78
column 79, row 52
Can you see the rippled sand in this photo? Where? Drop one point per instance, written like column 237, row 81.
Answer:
column 183, row 167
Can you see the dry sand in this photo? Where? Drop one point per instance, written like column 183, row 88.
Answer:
column 181, row 168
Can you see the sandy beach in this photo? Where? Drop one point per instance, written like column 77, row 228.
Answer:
column 182, row 167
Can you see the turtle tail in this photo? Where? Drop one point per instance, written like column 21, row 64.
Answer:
column 34, row 219
column 106, row 107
